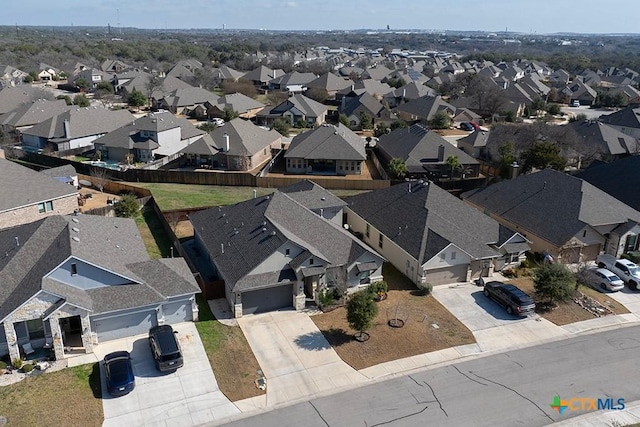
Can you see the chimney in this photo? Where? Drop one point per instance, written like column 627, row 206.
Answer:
column 226, row 142
column 67, row 128
column 440, row 153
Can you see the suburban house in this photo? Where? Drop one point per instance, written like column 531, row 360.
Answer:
column 185, row 100
column 295, row 109
column 474, row 144
column 47, row 73
column 425, row 153
column 261, row 76
column 238, row 145
column 331, row 83
column 11, row 76
column 424, row 108
column 626, row 121
column 364, row 104
column 239, row 103
column 29, row 196
column 559, row 214
column 75, row 128
column 70, row 282
column 13, row 97
column 275, row 252
column 92, row 76
column 600, row 141
column 430, row 235
column 293, row 82
column 326, row 150
column 30, row 114
column 151, row 136
column 406, row 93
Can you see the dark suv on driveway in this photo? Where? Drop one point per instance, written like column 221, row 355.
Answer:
column 165, row 348
column 511, row 297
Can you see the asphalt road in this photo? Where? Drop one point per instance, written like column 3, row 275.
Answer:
column 591, row 114
column 509, row 389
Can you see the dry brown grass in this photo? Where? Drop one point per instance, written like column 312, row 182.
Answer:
column 70, row 397
column 570, row 312
column 417, row 336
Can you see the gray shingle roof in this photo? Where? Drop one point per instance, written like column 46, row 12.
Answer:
column 34, row 113
column 327, row 142
column 244, row 137
column 426, row 220
column 330, row 82
column 551, row 204
column 22, row 186
column 13, row 96
column 425, row 107
column 619, row 179
column 312, row 196
column 238, row 102
column 628, row 117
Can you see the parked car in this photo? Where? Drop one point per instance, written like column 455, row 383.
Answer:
column 467, row 126
column 511, row 297
column 575, row 103
column 119, row 373
column 628, row 271
column 216, row 121
column 165, row 348
column 603, row 280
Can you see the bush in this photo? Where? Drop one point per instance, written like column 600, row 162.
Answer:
column 16, row 363
column 27, row 367
column 3, row 365
column 378, row 287
column 127, row 206
column 632, row 256
column 425, row 288
column 326, row 297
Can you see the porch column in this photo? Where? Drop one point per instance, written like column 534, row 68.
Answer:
column 56, row 332
column 468, row 273
column 299, row 298
column 237, row 307
column 87, row 339
column 12, row 341
column 194, row 309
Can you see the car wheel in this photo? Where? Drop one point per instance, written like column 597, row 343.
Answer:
column 601, row 265
column 603, row 286
column 486, row 293
column 633, row 285
column 509, row 310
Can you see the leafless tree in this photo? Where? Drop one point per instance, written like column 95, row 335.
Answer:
column 99, row 177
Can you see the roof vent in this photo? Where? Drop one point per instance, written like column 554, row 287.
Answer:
column 323, row 198
column 76, row 229
column 75, row 239
column 264, row 229
column 273, row 233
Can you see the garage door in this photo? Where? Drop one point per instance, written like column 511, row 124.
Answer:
column 124, row 326
column 442, row 276
column 175, row 312
column 267, row 299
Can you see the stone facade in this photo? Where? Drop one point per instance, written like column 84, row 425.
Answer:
column 62, row 206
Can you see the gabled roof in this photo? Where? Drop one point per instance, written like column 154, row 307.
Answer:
column 169, row 84
column 22, row 186
column 293, row 78
column 620, row 179
column 306, row 106
column 111, row 244
column 426, row 219
column 628, row 117
column 262, row 74
column 13, row 96
column 374, row 87
column 426, row 106
column 253, row 230
column 552, row 204
column 82, row 122
column 418, row 147
column 238, row 102
column 34, row 113
column 227, row 73
column 312, row 196
column 603, row 138
column 476, row 139
column 327, row 142
column 189, row 96
column 245, row 138
column 411, row 90
column 330, row 82
column 371, row 105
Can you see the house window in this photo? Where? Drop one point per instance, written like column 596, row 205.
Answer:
column 45, row 207
column 368, row 231
column 74, row 269
column 453, row 255
column 631, row 243
column 442, row 256
column 310, row 261
column 287, row 251
column 35, row 328
column 380, row 241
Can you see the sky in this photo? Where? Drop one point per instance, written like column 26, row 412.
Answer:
column 530, row 16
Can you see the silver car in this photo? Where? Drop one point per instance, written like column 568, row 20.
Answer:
column 604, row 280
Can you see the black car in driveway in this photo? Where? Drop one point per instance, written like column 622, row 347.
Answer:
column 165, row 348
column 511, row 297
column 120, row 378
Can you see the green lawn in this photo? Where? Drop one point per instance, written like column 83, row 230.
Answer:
column 155, row 239
column 70, row 397
column 179, row 196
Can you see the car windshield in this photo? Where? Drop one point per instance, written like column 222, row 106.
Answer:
column 634, row 271
column 612, row 278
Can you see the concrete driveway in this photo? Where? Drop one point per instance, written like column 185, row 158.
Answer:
column 492, row 327
column 628, row 298
column 187, row 397
column 294, row 356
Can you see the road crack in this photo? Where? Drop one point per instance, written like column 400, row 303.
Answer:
column 318, row 412
column 399, row 418
column 467, row 376
column 437, row 400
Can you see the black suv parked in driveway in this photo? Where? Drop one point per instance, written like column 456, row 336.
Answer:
column 165, row 348
column 511, row 297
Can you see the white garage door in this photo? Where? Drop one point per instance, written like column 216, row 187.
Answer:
column 127, row 325
column 442, row 276
column 267, row 299
column 176, row 312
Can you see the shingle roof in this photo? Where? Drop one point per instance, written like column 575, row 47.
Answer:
column 427, row 219
column 312, row 196
column 34, row 113
column 13, row 96
column 425, row 107
column 238, row 102
column 628, row 117
column 244, row 137
column 620, row 179
column 366, row 100
column 189, row 96
column 253, row 230
column 22, row 186
column 294, row 78
column 327, row 142
column 551, row 204
column 330, row 82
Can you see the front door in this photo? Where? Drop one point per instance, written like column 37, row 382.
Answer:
column 310, row 286
column 71, row 328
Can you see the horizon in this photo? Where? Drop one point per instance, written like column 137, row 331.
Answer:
column 545, row 17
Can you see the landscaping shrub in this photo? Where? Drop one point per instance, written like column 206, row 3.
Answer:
column 3, row 365
column 378, row 287
column 127, row 206
column 326, row 297
column 16, row 363
column 26, row 368
column 425, row 288
column 632, row 256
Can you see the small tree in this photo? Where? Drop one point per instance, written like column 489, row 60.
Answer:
column 99, row 176
column 282, row 126
column 453, row 163
column 82, row 84
column 543, row 155
column 66, row 98
column 365, row 121
column 361, row 310
column 127, row 206
column 398, row 124
column 553, row 109
column 554, row 282
column 207, row 127
column 441, row 120
column 229, row 114
column 344, row 119
column 81, row 100
column 317, row 94
column 381, row 129
column 397, row 168
column 136, row 99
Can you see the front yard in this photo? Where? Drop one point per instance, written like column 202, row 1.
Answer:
column 570, row 312
column 70, row 397
column 428, row 327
